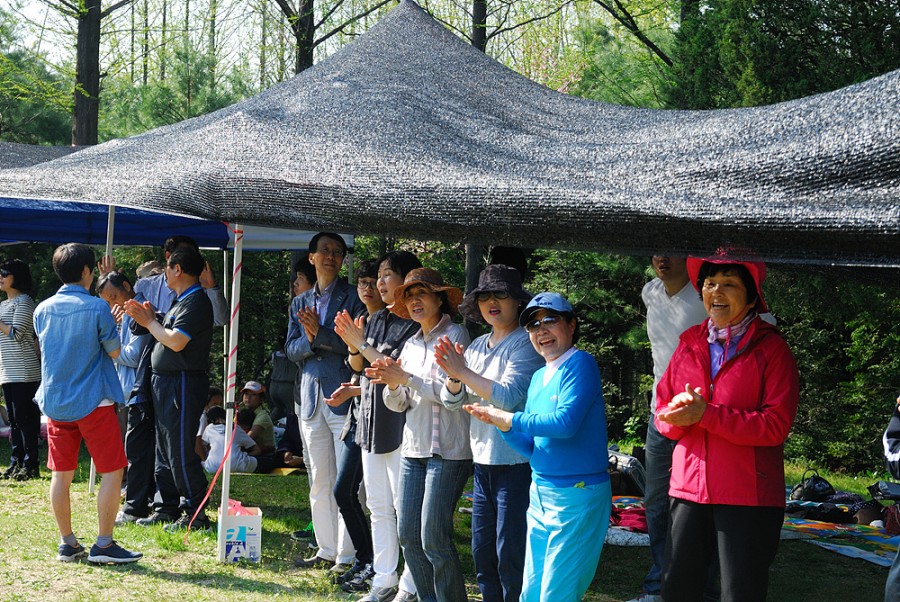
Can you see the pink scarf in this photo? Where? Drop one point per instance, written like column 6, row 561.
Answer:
column 729, row 332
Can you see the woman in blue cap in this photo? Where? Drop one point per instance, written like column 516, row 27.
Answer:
column 563, row 432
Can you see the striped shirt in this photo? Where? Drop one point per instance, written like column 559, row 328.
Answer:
column 19, row 361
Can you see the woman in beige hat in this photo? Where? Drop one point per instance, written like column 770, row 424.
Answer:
column 437, row 460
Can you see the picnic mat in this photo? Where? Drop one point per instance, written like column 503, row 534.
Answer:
column 872, row 544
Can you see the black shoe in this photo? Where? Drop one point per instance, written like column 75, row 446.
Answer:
column 314, row 562
column 26, row 474
column 361, row 582
column 10, row 472
column 67, row 553
column 113, row 554
column 302, row 534
column 348, row 573
column 201, row 523
column 157, row 518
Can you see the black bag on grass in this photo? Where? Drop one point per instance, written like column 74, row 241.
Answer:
column 813, row 488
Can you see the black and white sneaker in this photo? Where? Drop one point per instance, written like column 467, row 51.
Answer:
column 67, row 553
column 201, row 523
column 157, row 518
column 112, row 554
column 361, row 582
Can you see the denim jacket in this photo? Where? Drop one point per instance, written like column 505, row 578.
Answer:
column 76, row 332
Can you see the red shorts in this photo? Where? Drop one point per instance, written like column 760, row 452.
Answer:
column 102, row 436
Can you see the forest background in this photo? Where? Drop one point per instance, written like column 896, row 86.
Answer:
column 87, row 71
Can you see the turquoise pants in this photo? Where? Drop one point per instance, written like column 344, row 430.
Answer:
column 566, row 530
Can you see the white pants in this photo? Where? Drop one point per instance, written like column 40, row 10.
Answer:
column 322, row 447
column 381, row 475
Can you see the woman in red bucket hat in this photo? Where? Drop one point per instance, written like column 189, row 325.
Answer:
column 728, row 398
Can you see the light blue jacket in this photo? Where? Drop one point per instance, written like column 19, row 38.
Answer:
column 76, row 333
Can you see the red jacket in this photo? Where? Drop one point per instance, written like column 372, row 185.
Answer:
column 735, row 454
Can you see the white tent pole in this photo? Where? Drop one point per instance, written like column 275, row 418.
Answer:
column 231, row 378
column 225, row 281
column 110, row 228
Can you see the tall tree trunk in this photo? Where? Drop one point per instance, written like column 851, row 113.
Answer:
column 213, row 9
column 87, row 75
column 304, row 32
column 133, row 56
column 479, row 25
column 162, row 42
column 263, row 41
column 145, row 76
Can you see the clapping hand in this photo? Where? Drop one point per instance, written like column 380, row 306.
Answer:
column 351, row 331
column 448, row 355
column 491, row 415
column 387, row 371
column 685, row 409
column 342, row 394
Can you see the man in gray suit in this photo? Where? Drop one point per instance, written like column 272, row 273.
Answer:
column 320, row 354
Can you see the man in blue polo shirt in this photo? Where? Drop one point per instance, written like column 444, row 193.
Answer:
column 179, row 383
column 78, row 393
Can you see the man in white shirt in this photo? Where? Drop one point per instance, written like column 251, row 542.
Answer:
column 673, row 305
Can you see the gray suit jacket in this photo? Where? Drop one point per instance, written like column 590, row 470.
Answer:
column 322, row 366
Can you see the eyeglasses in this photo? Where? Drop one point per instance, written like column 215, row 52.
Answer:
column 545, row 322
column 364, row 284
column 498, row 295
column 332, row 252
column 4, row 273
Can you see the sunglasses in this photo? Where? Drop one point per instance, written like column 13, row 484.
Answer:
column 546, row 321
column 498, row 295
column 4, row 273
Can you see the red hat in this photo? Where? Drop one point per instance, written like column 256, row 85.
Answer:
column 757, row 269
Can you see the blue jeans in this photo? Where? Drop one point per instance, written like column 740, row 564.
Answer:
column 499, row 505
column 429, row 491
column 566, row 530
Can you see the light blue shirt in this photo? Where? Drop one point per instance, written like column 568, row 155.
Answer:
column 132, row 346
column 510, row 364
column 76, row 332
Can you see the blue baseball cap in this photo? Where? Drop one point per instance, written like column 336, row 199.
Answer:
column 550, row 301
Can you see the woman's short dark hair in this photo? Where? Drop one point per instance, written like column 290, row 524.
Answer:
column 189, row 260
column 115, row 279
column 368, row 268
column 70, row 259
column 21, row 274
column 402, row 262
column 711, row 269
column 303, row 266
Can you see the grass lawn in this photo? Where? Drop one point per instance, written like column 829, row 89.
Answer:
column 174, row 570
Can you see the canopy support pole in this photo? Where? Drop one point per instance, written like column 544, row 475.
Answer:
column 231, row 386
column 110, row 228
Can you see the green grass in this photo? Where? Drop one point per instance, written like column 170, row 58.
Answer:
column 173, row 569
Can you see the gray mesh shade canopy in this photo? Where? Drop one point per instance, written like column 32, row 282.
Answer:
column 411, row 132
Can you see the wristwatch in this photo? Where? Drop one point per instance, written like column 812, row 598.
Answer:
column 365, row 345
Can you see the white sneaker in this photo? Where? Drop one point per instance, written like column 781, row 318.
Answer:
column 405, row 596
column 380, row 594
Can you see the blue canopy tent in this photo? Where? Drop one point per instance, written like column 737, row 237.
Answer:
column 64, row 221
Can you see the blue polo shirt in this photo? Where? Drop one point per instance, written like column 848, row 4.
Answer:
column 76, row 332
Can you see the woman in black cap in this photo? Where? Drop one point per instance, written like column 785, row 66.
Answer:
column 495, row 370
